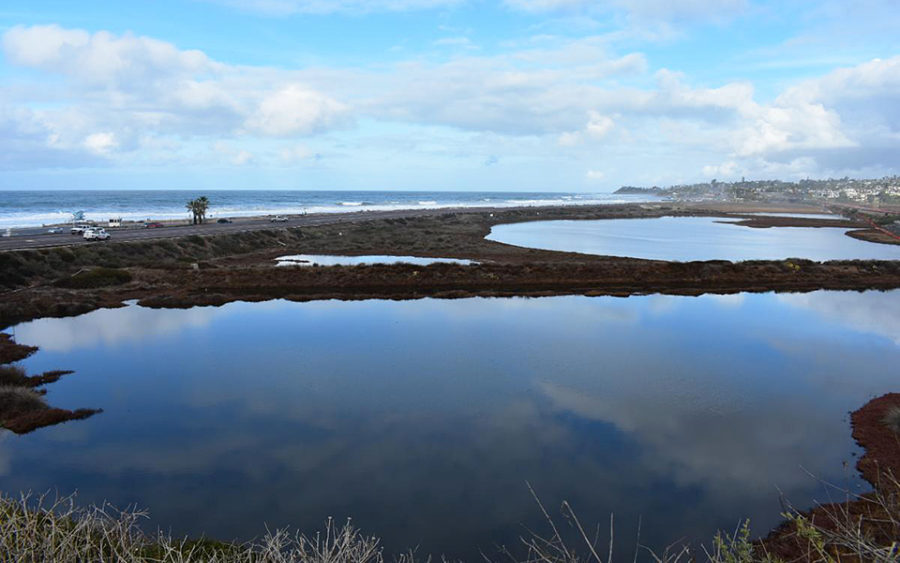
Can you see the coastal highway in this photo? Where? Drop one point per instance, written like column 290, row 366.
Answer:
column 38, row 237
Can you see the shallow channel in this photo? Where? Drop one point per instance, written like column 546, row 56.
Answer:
column 423, row 420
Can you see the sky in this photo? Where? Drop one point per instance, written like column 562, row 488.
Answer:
column 520, row 95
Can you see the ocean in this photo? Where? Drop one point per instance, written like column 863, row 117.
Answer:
column 37, row 208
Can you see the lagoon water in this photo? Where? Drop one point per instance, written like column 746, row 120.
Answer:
column 423, row 420
column 691, row 238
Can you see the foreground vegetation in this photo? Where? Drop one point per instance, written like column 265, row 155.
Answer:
column 41, row 528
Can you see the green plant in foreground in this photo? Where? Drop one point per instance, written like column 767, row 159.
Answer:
column 736, row 548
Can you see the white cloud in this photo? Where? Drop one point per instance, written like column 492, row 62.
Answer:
column 595, row 175
column 683, row 9
column 295, row 154
column 789, row 126
column 641, row 10
column 286, row 7
column 725, row 170
column 120, row 92
column 234, row 156
column 599, row 125
column 547, row 5
column 101, row 143
column 296, row 110
column 123, row 62
column 115, row 94
column 532, row 91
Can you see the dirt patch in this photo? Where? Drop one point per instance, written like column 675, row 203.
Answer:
column 872, row 235
column 23, row 407
column 767, row 221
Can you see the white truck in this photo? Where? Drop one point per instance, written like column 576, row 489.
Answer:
column 95, row 234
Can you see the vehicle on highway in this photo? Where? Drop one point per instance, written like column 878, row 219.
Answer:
column 79, row 229
column 278, row 219
column 95, row 234
column 55, row 230
column 223, row 220
column 153, row 225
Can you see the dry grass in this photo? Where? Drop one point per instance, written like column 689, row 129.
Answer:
column 892, row 418
column 15, row 400
column 13, row 375
column 39, row 528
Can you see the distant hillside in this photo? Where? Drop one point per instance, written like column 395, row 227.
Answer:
column 634, row 190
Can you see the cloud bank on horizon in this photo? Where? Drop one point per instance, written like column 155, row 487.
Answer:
column 569, row 95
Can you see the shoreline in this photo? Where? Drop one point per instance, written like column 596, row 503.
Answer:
column 874, row 516
column 214, row 267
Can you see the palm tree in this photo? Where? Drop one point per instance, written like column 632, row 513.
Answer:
column 191, row 206
column 198, row 208
column 202, row 206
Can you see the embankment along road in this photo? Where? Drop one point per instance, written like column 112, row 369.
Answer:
column 31, row 238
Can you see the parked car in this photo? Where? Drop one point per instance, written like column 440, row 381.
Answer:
column 95, row 234
column 55, row 230
column 278, row 219
column 223, row 220
column 153, row 225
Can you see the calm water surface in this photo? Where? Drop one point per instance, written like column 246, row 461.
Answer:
column 691, row 238
column 424, row 419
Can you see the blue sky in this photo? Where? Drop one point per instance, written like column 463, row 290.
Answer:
column 546, row 95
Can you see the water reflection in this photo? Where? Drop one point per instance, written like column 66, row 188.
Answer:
column 111, row 327
column 878, row 314
column 422, row 420
column 690, row 238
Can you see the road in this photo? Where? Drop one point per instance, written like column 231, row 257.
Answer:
column 22, row 239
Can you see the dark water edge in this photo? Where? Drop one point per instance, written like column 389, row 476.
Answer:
column 424, row 419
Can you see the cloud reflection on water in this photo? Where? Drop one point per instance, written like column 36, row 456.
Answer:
column 423, row 419
column 877, row 313
column 110, row 327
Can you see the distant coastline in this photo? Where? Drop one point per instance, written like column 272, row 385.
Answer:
column 23, row 209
